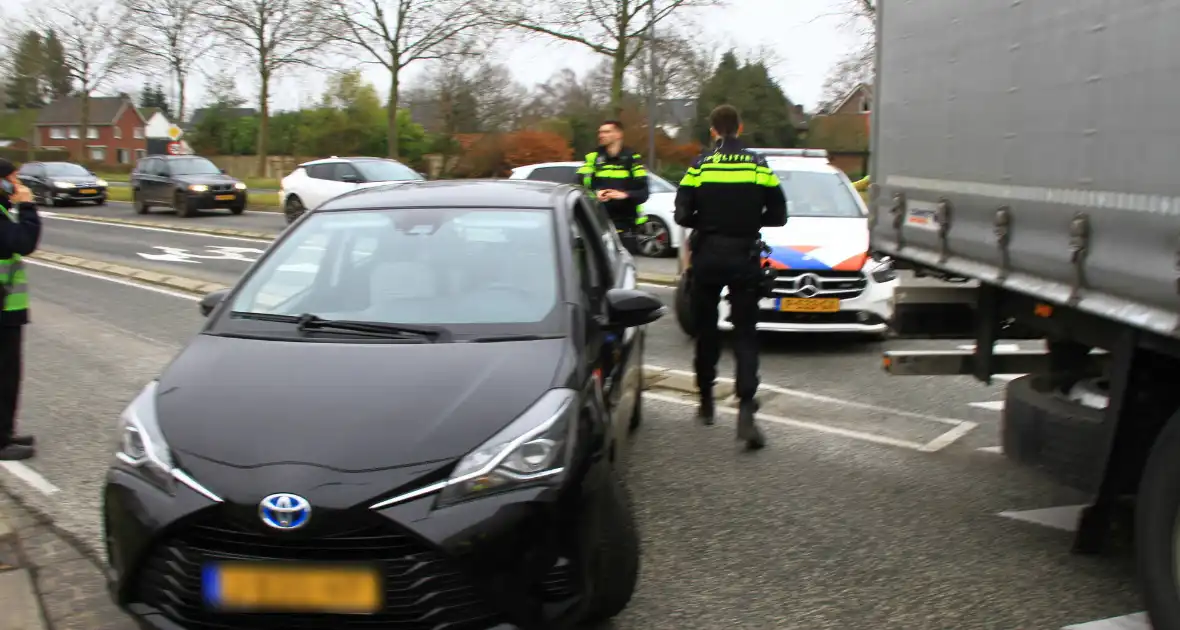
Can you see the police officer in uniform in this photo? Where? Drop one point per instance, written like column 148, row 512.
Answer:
column 20, row 231
column 727, row 196
column 618, row 178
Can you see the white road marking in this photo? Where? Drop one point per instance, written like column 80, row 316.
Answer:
column 124, row 282
column 1137, row 621
column 50, row 215
column 786, row 391
column 1064, row 517
column 30, row 476
column 997, row 450
column 1004, row 378
column 990, row 405
column 799, row 424
column 999, row 347
column 948, row 438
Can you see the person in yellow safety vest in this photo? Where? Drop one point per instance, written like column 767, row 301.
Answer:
column 20, row 231
column 618, row 178
column 862, row 186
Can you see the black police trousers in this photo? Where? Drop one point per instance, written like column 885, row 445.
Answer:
column 11, row 340
column 719, row 263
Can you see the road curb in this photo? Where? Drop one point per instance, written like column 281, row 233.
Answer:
column 177, row 283
column 660, row 279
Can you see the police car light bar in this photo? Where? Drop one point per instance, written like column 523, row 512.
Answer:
column 815, row 153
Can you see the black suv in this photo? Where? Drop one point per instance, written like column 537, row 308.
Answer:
column 60, row 183
column 187, row 183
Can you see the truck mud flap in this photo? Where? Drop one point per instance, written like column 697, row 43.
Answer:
column 1044, row 430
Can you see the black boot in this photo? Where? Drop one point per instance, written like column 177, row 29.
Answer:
column 706, row 412
column 22, row 440
column 14, row 452
column 747, row 429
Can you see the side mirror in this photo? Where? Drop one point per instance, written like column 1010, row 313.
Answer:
column 223, row 172
column 210, row 301
column 424, row 175
column 628, row 308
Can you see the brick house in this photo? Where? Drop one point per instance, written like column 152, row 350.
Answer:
column 116, row 134
column 844, row 131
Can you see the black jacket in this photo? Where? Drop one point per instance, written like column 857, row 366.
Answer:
column 18, row 237
column 730, row 191
column 632, row 180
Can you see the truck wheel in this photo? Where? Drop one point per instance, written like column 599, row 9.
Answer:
column 1042, row 428
column 683, row 305
column 1157, row 529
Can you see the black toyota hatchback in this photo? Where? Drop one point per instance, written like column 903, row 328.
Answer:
column 410, row 413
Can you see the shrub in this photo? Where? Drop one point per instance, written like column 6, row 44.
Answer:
column 531, row 147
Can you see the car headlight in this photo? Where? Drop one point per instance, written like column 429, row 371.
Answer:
column 198, row 188
column 141, row 444
column 881, row 269
column 62, row 185
column 534, row 448
column 101, row 182
column 240, row 186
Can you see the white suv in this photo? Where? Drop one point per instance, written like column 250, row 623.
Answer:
column 827, row 281
column 659, row 236
column 313, row 183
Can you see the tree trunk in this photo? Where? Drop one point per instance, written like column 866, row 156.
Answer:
column 181, row 87
column 392, row 131
column 618, row 72
column 263, row 120
column 84, row 123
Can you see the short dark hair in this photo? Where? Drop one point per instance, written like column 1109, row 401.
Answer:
column 618, row 124
column 725, row 120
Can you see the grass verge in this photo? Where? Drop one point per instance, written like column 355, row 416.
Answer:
column 251, row 182
column 257, row 201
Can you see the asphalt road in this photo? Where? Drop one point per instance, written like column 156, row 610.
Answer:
column 818, row 531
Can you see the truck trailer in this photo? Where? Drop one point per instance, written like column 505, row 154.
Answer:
column 1028, row 153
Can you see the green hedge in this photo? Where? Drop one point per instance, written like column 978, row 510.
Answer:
column 19, row 156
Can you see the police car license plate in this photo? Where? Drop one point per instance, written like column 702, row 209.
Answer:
column 225, row 197
column 88, row 191
column 809, row 305
column 295, row 587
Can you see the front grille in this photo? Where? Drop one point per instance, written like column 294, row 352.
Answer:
column 842, row 317
column 830, row 284
column 424, row 590
column 221, row 188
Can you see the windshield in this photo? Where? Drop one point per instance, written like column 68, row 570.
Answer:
column 193, row 166
column 386, row 171
column 812, row 194
column 66, row 170
column 472, row 271
column 657, row 184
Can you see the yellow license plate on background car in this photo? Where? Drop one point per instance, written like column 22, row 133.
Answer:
column 225, row 197
column 809, row 305
column 88, row 191
column 298, row 588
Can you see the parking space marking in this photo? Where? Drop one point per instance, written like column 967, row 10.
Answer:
column 50, row 215
column 995, row 450
column 990, row 405
column 1063, row 517
column 948, row 438
column 30, row 476
column 1137, row 621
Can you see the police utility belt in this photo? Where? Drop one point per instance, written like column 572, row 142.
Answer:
column 758, row 250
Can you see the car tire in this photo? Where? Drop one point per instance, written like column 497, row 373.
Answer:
column 682, row 304
column 613, row 570
column 101, row 202
column 649, row 243
column 1157, row 515
column 237, row 209
column 141, row 206
column 183, row 208
column 293, row 209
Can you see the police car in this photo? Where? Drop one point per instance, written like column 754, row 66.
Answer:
column 826, row 279
column 659, row 236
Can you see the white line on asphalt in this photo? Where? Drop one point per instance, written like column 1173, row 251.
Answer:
column 1137, row 621
column 786, row 391
column 1006, row 377
column 948, row 438
column 990, row 405
column 1064, row 517
column 999, row 347
column 996, row 450
column 29, row 476
column 800, row 424
column 124, row 282
column 154, row 229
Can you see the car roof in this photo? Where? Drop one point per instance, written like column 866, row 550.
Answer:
column 334, row 160
column 531, row 167
column 466, row 193
column 810, row 164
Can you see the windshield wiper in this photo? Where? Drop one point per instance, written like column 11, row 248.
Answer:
column 309, row 321
column 520, row 337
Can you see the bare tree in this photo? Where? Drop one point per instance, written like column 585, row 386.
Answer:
column 172, row 35
column 681, row 66
column 396, row 33
column 848, row 73
column 96, row 40
column 613, row 28
column 274, row 35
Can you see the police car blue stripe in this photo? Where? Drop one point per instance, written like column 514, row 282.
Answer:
column 795, row 259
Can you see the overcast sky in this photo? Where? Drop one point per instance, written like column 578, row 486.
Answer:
column 804, row 36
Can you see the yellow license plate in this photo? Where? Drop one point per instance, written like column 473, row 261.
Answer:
column 809, row 305
column 268, row 587
column 88, row 191
column 225, row 197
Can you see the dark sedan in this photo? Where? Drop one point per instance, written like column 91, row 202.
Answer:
column 187, row 183
column 61, row 183
column 412, row 412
